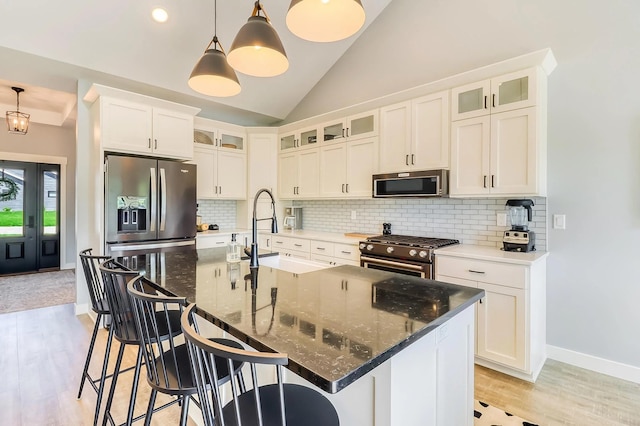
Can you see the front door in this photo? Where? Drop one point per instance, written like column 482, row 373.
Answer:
column 29, row 217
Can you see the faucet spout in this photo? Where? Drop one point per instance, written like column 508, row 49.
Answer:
column 253, row 253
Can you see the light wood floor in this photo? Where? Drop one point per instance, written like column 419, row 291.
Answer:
column 43, row 351
column 562, row 395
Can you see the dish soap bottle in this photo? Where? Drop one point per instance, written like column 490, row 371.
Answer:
column 233, row 250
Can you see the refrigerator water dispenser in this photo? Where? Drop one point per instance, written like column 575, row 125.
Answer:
column 132, row 213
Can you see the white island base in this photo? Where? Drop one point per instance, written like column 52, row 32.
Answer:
column 430, row 382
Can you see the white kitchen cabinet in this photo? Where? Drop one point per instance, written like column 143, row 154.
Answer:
column 293, row 247
column 346, row 168
column 137, row 128
column 498, row 154
column 358, row 126
column 299, row 174
column 511, row 318
column 219, row 135
column 414, row 135
column 499, row 94
column 221, row 173
column 299, row 139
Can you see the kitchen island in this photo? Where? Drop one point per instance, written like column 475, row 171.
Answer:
column 387, row 349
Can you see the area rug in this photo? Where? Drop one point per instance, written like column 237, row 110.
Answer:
column 486, row 415
column 39, row 290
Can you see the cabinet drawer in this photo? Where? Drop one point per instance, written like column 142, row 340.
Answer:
column 324, row 259
column 346, row 251
column 209, row 242
column 322, row 248
column 296, row 244
column 478, row 270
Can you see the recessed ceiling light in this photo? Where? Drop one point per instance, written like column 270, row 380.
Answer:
column 159, row 15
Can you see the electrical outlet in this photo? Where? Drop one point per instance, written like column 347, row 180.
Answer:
column 559, row 221
column 501, row 219
column 353, row 215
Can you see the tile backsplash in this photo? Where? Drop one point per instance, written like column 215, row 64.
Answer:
column 220, row 212
column 472, row 221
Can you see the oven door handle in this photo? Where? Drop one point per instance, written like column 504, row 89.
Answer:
column 391, row 263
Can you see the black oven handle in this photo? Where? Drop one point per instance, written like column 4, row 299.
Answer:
column 391, row 263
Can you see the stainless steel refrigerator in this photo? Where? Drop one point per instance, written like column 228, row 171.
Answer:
column 148, row 203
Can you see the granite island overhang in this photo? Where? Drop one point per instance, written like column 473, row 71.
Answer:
column 337, row 325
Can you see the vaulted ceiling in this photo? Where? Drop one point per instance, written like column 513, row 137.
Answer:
column 47, row 46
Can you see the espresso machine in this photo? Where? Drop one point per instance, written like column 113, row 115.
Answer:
column 519, row 238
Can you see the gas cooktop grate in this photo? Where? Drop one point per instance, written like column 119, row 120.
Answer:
column 411, row 241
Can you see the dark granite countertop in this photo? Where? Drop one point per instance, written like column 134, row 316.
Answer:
column 335, row 324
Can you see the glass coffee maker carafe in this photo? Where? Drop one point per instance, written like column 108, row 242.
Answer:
column 519, row 238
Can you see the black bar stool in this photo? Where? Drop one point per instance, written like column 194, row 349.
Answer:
column 115, row 278
column 273, row 404
column 100, row 306
column 165, row 355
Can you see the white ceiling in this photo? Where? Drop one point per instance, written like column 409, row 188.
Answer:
column 47, row 46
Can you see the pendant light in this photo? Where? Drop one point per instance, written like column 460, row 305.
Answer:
column 212, row 74
column 17, row 122
column 325, row 20
column 257, row 49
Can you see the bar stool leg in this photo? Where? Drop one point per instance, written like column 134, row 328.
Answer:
column 134, row 388
column 184, row 413
column 103, row 375
column 85, row 375
column 112, row 390
column 152, row 402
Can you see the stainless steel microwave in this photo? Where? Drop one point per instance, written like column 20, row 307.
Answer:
column 426, row 183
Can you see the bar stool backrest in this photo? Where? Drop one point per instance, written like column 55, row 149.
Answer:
column 92, row 276
column 157, row 319
column 203, row 351
column 115, row 278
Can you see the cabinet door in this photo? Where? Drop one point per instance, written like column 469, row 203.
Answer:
column 333, row 170
column 334, row 130
column 126, row 126
column 308, row 137
column 471, row 100
column 308, row 173
column 205, row 160
column 470, row 156
column 232, row 175
column 395, row 137
column 501, row 325
column 228, row 139
column 288, row 141
column 515, row 90
column 288, row 175
column 430, row 136
column 514, row 156
column 172, row 134
column 362, row 163
column 362, row 125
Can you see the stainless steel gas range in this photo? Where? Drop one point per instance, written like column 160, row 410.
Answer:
column 402, row 253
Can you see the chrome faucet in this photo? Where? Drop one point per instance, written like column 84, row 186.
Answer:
column 253, row 253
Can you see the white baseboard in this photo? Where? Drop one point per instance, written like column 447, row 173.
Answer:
column 68, row 266
column 593, row 363
column 82, row 308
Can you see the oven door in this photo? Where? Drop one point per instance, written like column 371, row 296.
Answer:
column 416, row 269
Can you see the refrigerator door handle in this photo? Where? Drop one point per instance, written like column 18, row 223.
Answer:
column 154, row 192
column 163, row 201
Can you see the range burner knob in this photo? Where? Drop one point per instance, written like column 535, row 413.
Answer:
column 370, row 247
column 362, row 245
column 412, row 252
column 389, row 250
column 423, row 254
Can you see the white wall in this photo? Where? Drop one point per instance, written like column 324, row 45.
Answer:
column 40, row 142
column 593, row 135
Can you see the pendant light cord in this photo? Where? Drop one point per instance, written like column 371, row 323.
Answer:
column 257, row 8
column 214, row 41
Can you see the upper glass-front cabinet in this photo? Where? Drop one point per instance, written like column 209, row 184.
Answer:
column 504, row 93
column 219, row 138
column 299, row 139
column 353, row 127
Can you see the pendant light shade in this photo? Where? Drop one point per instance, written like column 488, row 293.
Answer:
column 257, row 49
column 212, row 75
column 325, row 20
column 17, row 122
